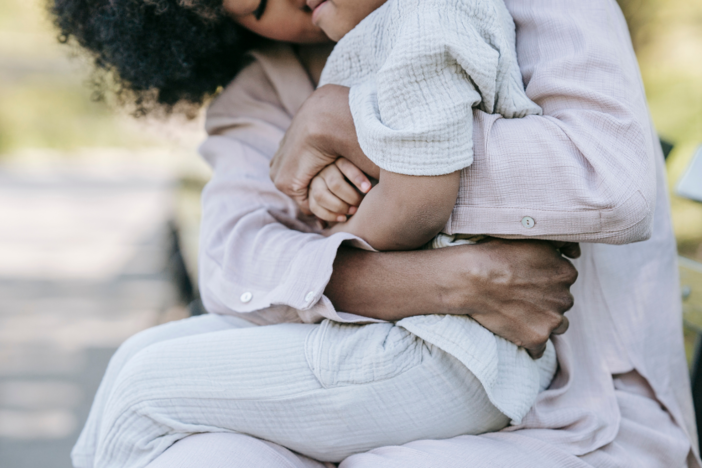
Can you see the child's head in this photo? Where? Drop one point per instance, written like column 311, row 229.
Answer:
column 337, row 17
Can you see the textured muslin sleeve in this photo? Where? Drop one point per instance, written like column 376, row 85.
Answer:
column 255, row 254
column 585, row 170
column 414, row 116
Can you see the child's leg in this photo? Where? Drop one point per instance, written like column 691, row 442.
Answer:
column 83, row 453
column 326, row 391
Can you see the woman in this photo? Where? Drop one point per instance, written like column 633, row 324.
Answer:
column 621, row 362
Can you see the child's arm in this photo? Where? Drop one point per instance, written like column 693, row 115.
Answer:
column 404, row 212
column 401, row 213
column 337, row 191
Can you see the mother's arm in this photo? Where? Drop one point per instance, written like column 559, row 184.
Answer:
column 252, row 242
column 584, row 171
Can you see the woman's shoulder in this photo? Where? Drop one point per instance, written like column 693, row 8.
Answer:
column 273, row 83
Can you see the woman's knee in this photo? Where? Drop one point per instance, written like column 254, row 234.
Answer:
column 169, row 331
column 228, row 450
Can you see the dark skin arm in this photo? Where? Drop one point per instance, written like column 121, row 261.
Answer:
column 519, row 290
column 403, row 212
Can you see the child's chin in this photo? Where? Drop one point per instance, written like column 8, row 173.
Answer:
column 334, row 35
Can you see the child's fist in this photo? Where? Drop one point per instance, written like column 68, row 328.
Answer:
column 337, row 191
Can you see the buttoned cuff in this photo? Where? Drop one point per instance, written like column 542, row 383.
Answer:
column 301, row 287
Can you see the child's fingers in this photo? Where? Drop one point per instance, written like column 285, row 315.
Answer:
column 339, row 186
column 324, row 214
column 326, row 198
column 354, row 174
column 324, row 204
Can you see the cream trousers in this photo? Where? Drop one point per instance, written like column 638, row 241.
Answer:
column 326, row 391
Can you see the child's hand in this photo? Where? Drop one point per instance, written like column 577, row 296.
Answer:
column 337, row 191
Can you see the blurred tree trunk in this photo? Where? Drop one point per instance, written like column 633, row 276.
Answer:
column 639, row 15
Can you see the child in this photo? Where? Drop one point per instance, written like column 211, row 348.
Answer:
column 416, row 69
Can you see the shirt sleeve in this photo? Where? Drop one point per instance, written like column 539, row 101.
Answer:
column 256, row 256
column 585, row 170
column 415, row 115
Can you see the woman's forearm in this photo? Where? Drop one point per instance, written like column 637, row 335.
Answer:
column 385, row 285
column 518, row 290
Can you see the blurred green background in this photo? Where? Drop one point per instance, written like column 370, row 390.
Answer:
column 44, row 101
column 667, row 35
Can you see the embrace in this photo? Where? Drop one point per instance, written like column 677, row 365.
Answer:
column 407, row 197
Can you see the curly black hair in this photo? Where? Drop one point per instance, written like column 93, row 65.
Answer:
column 156, row 53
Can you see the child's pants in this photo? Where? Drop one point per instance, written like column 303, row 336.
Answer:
column 375, row 385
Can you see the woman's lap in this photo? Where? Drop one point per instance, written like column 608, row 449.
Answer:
column 83, row 451
column 284, row 390
column 501, row 450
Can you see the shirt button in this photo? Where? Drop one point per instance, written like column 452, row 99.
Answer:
column 528, row 222
column 246, row 297
column 309, row 296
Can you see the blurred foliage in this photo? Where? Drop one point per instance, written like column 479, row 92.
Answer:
column 639, row 15
column 47, row 114
column 667, row 37
column 45, row 100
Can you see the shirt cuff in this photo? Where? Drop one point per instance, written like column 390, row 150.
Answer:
column 301, row 287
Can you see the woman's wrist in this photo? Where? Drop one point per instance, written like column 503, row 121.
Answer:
column 388, row 285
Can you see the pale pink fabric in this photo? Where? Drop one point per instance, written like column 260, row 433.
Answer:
column 589, row 170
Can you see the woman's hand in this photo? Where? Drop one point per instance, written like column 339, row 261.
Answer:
column 518, row 289
column 321, row 131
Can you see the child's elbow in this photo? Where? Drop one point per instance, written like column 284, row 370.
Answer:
column 420, row 224
column 420, row 206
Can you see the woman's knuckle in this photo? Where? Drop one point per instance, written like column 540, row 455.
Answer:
column 555, row 321
column 568, row 272
column 574, row 275
column 529, row 339
column 543, row 336
column 539, row 336
column 569, row 302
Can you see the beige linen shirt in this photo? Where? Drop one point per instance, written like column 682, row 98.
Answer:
column 589, row 170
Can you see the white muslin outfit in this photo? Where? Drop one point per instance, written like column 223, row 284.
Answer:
column 416, row 69
column 326, row 391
